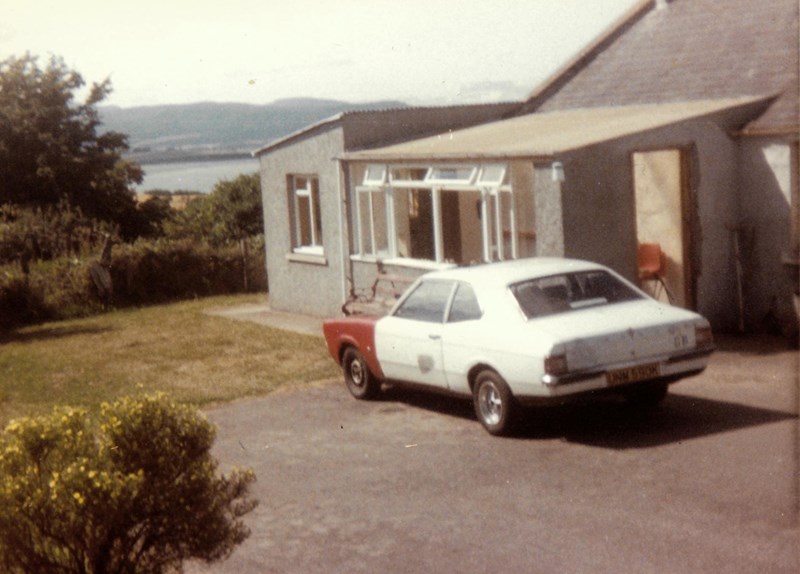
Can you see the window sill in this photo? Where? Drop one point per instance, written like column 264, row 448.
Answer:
column 423, row 264
column 310, row 258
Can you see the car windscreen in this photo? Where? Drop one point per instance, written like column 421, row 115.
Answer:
column 563, row 293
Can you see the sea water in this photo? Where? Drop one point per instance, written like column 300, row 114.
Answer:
column 199, row 176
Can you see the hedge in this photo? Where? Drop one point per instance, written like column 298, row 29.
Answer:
column 141, row 274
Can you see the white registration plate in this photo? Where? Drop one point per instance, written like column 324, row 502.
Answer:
column 633, row 374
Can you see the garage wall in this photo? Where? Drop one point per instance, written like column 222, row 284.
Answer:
column 599, row 217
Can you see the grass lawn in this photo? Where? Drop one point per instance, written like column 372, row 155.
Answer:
column 177, row 348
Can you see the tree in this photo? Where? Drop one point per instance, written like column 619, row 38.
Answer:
column 50, row 147
column 237, row 205
column 238, row 213
column 231, row 213
column 135, row 492
column 152, row 214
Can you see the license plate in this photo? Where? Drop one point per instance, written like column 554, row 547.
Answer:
column 632, row 374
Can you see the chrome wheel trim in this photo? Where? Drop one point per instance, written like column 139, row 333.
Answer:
column 490, row 403
column 357, row 372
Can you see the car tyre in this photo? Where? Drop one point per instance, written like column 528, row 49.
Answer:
column 494, row 404
column 361, row 383
column 647, row 396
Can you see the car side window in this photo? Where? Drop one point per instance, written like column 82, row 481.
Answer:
column 427, row 302
column 465, row 305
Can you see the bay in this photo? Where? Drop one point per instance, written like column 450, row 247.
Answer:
column 199, row 176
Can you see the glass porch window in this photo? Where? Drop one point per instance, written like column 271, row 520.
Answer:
column 441, row 213
column 373, row 216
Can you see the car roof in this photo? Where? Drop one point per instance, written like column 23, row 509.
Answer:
column 508, row 272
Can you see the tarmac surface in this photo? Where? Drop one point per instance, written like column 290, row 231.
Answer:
column 709, row 482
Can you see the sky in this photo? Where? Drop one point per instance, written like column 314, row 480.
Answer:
column 422, row 52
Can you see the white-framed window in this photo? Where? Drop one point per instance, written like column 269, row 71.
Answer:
column 305, row 214
column 459, row 213
column 451, row 175
column 373, row 215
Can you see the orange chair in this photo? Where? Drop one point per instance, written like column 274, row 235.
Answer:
column 650, row 261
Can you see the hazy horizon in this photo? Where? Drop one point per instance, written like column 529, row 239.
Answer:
column 422, row 52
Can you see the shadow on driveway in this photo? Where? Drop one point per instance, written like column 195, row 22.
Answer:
column 621, row 426
column 607, row 422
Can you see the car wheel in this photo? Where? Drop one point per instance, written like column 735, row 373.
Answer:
column 647, row 396
column 494, row 403
column 359, row 380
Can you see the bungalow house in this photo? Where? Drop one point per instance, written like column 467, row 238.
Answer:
column 304, row 195
column 677, row 127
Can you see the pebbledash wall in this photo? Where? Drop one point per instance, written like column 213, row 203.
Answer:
column 304, row 283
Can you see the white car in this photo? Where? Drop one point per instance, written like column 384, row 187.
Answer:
column 524, row 331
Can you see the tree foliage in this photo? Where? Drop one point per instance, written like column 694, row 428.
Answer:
column 135, row 492
column 230, row 213
column 50, row 146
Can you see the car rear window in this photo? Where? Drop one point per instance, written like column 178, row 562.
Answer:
column 562, row 293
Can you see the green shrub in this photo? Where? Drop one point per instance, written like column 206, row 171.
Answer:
column 50, row 232
column 136, row 491
column 65, row 287
column 157, row 272
column 143, row 273
column 19, row 303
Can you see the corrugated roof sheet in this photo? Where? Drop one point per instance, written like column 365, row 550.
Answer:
column 398, row 124
column 546, row 134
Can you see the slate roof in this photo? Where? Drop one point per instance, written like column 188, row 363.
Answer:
column 687, row 50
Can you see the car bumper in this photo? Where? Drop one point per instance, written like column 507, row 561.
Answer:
column 669, row 369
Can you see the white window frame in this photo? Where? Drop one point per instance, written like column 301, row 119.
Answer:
column 315, row 247
column 488, row 179
column 374, row 251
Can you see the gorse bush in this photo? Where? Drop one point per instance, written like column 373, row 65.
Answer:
column 135, row 491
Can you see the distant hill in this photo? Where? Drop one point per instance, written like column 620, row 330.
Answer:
column 179, row 131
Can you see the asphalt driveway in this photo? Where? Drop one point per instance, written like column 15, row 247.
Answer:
column 412, row 483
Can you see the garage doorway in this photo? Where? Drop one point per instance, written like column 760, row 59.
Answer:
column 663, row 216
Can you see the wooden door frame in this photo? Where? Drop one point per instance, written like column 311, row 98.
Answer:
column 689, row 214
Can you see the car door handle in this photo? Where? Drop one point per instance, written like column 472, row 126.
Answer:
column 434, row 337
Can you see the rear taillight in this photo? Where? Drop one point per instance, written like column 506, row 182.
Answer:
column 703, row 336
column 556, row 365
